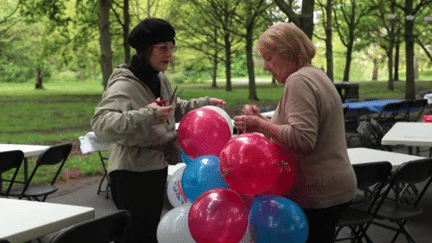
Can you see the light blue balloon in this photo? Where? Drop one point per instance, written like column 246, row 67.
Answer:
column 185, row 158
column 275, row 219
column 201, row 175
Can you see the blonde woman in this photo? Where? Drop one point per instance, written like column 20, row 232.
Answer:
column 308, row 122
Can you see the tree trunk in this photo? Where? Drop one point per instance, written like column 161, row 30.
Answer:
column 214, row 76
column 396, row 63
column 126, row 24
column 215, row 59
column 347, row 64
column 250, row 63
column 105, row 40
column 390, row 66
column 409, row 50
column 303, row 21
column 228, row 62
column 306, row 17
column 329, row 37
column 39, row 78
column 375, row 70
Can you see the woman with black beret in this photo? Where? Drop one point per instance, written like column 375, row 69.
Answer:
column 141, row 129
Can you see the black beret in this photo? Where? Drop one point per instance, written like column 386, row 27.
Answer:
column 150, row 31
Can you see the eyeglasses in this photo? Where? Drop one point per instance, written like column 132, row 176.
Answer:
column 165, row 49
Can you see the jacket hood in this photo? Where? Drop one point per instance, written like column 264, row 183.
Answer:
column 121, row 73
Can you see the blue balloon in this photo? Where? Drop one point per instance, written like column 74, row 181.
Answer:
column 276, row 219
column 185, row 158
column 201, row 175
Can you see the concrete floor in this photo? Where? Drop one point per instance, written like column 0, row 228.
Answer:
column 83, row 192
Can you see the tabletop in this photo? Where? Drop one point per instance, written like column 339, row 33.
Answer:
column 372, row 106
column 23, row 220
column 28, row 150
column 409, row 134
column 367, row 155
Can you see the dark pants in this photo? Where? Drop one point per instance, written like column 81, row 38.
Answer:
column 322, row 223
column 142, row 194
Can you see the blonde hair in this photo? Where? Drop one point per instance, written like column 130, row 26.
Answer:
column 289, row 40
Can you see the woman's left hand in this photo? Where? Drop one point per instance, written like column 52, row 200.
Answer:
column 217, row 102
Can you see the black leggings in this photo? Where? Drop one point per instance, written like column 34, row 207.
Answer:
column 322, row 223
column 142, row 194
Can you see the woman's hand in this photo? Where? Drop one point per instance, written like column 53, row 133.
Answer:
column 248, row 123
column 162, row 111
column 250, row 110
column 217, row 102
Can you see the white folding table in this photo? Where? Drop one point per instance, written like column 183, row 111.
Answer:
column 22, row 220
column 28, row 150
column 412, row 134
column 367, row 155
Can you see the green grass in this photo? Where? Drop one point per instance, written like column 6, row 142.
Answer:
column 62, row 112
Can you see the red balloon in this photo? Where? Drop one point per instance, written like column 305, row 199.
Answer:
column 248, row 164
column 287, row 175
column 203, row 132
column 218, row 215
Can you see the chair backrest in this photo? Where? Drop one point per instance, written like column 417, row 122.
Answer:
column 369, row 174
column 98, row 230
column 389, row 111
column 413, row 172
column 364, row 135
column 53, row 155
column 418, row 106
column 378, row 128
column 10, row 160
column 369, row 136
column 404, row 109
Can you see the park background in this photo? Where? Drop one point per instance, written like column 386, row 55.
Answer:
column 55, row 56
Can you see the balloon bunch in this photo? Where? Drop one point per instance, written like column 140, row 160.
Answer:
column 231, row 187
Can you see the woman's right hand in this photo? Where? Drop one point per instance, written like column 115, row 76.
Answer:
column 163, row 112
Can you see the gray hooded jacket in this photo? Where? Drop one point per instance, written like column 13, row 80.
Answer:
column 127, row 119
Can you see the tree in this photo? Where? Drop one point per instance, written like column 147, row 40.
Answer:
column 304, row 20
column 249, row 20
column 105, row 40
column 217, row 16
column 410, row 10
column 327, row 24
column 348, row 16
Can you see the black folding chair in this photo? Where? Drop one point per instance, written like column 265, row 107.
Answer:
column 418, row 107
column 371, row 179
column 394, row 209
column 404, row 111
column 54, row 155
column 369, row 137
column 104, row 229
column 387, row 115
column 9, row 161
column 104, row 177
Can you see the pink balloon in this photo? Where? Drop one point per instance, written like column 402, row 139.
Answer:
column 218, row 215
column 203, row 132
column 287, row 175
column 248, row 164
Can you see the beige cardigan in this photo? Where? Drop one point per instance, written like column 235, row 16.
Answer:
column 314, row 132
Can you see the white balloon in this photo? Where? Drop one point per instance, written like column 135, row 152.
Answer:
column 224, row 114
column 173, row 227
column 175, row 193
column 247, row 238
